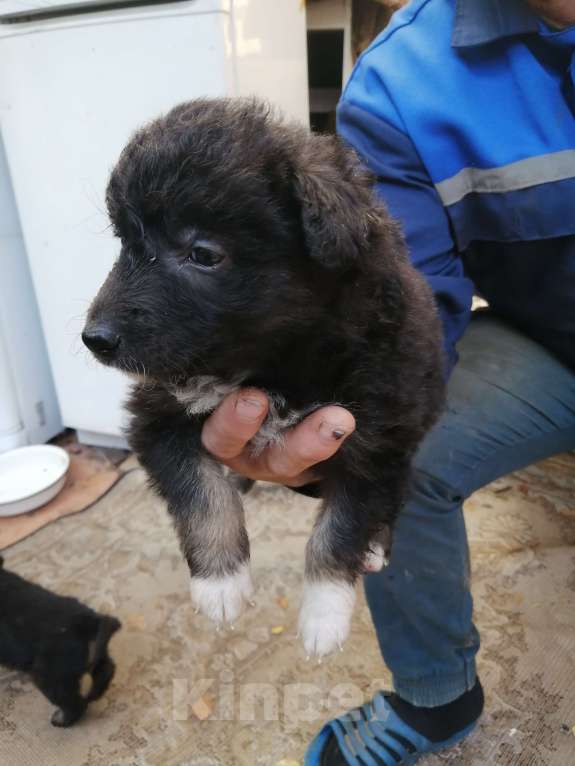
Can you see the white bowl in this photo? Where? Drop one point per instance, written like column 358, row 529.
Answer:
column 30, row 477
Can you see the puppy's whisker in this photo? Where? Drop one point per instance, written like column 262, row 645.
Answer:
column 145, row 375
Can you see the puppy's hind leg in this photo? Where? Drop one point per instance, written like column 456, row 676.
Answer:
column 329, row 587
column 346, row 542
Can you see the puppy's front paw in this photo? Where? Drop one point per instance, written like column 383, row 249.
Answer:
column 222, row 598
column 325, row 616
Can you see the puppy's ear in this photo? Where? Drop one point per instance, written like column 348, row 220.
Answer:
column 334, row 193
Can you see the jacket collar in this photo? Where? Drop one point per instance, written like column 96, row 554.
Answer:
column 483, row 21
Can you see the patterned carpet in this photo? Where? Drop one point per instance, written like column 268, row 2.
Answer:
column 187, row 696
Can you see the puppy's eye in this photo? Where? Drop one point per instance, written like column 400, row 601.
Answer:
column 205, row 256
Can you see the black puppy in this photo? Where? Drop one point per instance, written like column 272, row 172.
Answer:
column 256, row 254
column 56, row 640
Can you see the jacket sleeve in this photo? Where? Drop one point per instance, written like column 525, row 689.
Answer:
column 407, row 190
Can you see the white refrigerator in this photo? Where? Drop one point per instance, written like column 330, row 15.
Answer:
column 75, row 80
column 29, row 412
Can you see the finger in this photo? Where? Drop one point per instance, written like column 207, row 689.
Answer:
column 237, row 419
column 315, row 439
column 256, row 468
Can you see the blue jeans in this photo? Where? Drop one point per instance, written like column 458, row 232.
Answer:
column 510, row 403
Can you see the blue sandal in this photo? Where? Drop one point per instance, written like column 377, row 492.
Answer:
column 374, row 735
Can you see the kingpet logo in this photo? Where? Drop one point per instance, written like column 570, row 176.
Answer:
column 224, row 698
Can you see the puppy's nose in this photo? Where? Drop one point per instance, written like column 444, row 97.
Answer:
column 101, row 339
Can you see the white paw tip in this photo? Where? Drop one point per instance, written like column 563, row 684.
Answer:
column 375, row 558
column 222, row 598
column 325, row 616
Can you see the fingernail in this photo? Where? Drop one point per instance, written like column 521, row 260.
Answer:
column 249, row 407
column 331, row 432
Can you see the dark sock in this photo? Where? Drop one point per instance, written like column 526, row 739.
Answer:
column 442, row 722
column 435, row 723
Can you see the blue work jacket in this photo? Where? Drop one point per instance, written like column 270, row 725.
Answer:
column 464, row 110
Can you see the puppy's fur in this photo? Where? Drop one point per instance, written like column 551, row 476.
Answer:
column 311, row 298
column 56, row 640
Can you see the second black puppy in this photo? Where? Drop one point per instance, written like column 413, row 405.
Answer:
column 56, row 640
column 256, row 254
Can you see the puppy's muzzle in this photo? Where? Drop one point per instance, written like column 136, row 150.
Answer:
column 102, row 339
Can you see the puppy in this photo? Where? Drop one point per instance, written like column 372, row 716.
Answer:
column 56, row 640
column 254, row 253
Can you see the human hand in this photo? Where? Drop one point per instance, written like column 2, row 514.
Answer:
column 229, row 428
